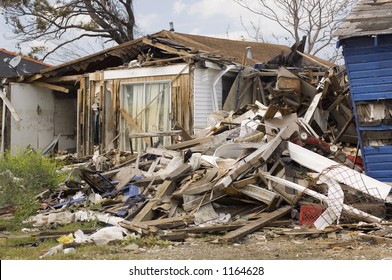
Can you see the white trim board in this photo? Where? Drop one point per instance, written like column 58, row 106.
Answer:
column 138, row 72
column 338, row 172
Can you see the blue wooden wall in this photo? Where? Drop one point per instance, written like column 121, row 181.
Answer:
column 369, row 66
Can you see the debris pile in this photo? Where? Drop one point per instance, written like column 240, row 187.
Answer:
column 288, row 156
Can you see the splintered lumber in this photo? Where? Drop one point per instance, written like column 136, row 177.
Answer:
column 131, row 122
column 8, row 103
column 154, row 134
column 50, row 86
column 179, row 172
column 184, row 135
column 190, row 143
column 171, row 236
column 255, row 225
column 212, row 228
column 255, row 159
column 125, row 180
column 147, row 181
column 202, row 200
column 162, row 152
column 146, row 213
column 167, row 223
column 308, row 231
column 375, row 239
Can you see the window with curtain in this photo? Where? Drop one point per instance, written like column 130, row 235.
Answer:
column 148, row 107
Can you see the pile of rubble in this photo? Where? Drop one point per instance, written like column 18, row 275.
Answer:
column 290, row 159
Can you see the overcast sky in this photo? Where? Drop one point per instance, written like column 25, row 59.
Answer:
column 218, row 18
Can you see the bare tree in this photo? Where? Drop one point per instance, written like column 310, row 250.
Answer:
column 68, row 21
column 315, row 19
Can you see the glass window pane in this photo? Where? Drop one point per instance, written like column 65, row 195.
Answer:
column 148, row 105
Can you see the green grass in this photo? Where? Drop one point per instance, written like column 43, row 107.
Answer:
column 23, row 176
column 24, row 247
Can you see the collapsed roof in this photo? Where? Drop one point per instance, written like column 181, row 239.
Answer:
column 368, row 17
column 169, row 45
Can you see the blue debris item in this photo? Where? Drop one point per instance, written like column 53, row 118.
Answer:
column 68, row 202
column 128, row 190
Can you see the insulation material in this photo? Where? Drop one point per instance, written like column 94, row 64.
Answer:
column 372, row 113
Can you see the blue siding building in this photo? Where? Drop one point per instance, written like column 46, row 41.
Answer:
column 366, row 38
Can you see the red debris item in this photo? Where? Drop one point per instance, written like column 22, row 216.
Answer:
column 358, row 161
column 308, row 214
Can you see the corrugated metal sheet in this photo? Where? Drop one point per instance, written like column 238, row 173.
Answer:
column 369, row 64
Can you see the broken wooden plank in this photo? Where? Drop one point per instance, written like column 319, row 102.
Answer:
column 139, row 228
column 184, row 135
column 212, row 228
column 202, row 200
column 255, row 225
column 180, row 172
column 167, row 223
column 147, row 181
column 162, row 152
column 71, row 78
column 190, row 143
column 375, row 239
column 255, row 159
column 132, row 123
column 50, row 86
column 173, row 236
column 124, row 181
column 308, row 231
column 146, row 213
column 154, row 134
column 8, row 103
column 166, row 48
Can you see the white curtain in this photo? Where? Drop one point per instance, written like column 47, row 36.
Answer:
column 148, row 104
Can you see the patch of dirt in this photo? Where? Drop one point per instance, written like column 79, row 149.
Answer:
column 261, row 247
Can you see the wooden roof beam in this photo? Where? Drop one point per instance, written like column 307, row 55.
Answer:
column 50, row 86
column 72, row 78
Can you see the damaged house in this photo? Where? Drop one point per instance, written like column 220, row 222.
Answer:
column 166, row 84
column 366, row 38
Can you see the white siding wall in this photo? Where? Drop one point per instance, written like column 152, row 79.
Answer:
column 204, row 79
column 36, row 107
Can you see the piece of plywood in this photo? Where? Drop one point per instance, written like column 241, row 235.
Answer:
column 146, row 213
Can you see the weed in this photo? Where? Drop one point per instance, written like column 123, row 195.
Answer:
column 24, row 175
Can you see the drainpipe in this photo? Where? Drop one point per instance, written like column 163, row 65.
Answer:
column 215, row 106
